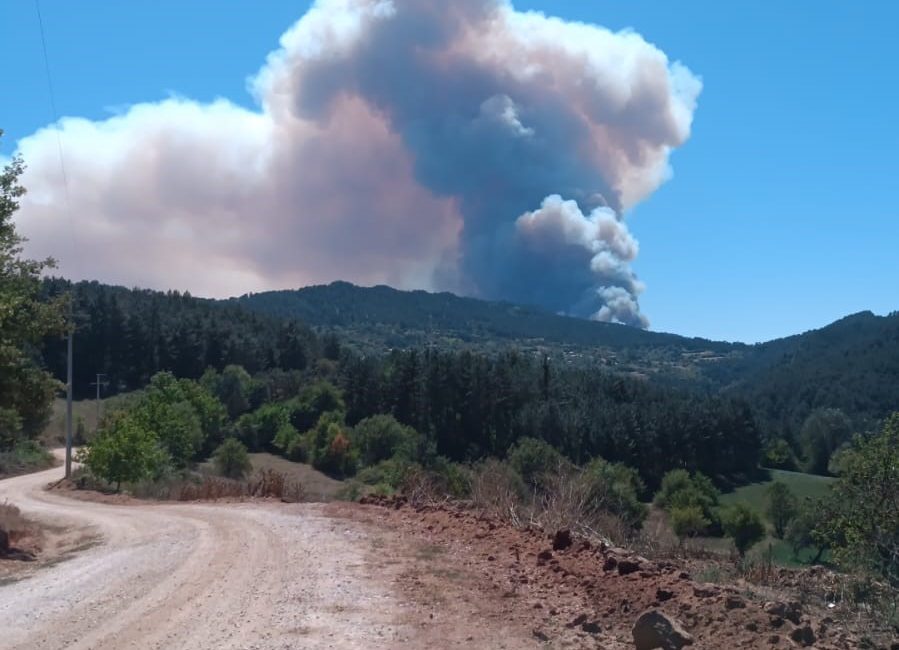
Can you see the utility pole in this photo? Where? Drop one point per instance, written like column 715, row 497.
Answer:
column 98, row 384
column 69, row 398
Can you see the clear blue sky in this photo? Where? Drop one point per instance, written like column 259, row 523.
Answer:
column 783, row 213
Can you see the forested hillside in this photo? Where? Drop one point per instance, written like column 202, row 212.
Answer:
column 851, row 365
column 130, row 334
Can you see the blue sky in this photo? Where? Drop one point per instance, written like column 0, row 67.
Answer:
column 783, row 211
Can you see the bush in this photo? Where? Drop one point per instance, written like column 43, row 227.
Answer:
column 289, row 441
column 681, row 490
column 497, row 489
column 259, row 430
column 688, row 521
column 313, row 402
column 231, row 459
column 25, row 456
column 534, row 460
column 124, row 452
column 615, row 488
column 861, row 519
column 743, row 525
column 12, row 524
column 380, row 437
column 330, row 448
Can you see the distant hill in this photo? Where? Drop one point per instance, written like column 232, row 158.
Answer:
column 379, row 318
column 852, row 364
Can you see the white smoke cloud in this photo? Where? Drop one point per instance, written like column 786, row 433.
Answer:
column 404, row 142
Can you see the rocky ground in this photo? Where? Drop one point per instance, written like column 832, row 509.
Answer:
column 572, row 593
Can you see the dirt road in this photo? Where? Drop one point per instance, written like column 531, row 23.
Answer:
column 190, row 576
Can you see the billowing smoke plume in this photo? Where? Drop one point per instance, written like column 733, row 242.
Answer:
column 459, row 145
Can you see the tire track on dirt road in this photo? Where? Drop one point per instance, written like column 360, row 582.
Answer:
column 191, row 576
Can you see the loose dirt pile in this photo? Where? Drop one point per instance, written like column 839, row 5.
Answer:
column 574, row 593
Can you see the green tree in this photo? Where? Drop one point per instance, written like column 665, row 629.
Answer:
column 782, row 507
column 123, row 452
column 231, row 459
column 535, row 460
column 166, row 411
column 381, row 437
column 861, row 519
column 688, row 521
column 26, row 391
column 743, row 525
column 681, row 490
column 822, row 433
column 330, row 446
column 615, row 488
column 779, row 455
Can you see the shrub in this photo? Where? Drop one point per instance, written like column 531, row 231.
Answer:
column 313, row 402
column 680, row 489
column 615, row 488
column 329, row 446
column 380, row 437
column 743, row 525
column 12, row 524
column 497, row 489
column 534, row 460
column 231, row 459
column 123, row 452
column 688, row 521
column 861, row 519
column 25, row 456
column 290, row 442
column 259, row 430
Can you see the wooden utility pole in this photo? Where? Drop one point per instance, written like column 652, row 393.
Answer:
column 69, row 399
column 98, row 384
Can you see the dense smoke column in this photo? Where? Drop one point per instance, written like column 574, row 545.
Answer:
column 459, row 145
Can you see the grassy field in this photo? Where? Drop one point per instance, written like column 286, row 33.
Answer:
column 802, row 485
column 54, row 434
column 317, row 486
column 755, row 496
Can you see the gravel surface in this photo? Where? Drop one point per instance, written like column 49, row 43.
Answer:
column 190, row 576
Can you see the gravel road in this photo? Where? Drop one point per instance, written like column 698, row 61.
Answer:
column 190, row 576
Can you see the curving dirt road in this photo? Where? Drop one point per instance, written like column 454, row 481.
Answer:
column 190, row 576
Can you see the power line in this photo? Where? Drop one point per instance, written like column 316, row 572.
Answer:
column 68, row 214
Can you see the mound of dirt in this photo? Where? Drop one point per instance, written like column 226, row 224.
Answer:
column 593, row 595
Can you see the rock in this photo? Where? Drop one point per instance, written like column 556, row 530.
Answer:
column 705, row 592
column 734, row 602
column 626, row 567
column 792, row 611
column 664, row 594
column 562, row 540
column 591, row 627
column 803, row 635
column 654, row 629
column 609, row 564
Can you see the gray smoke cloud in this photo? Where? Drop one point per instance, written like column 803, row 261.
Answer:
column 463, row 146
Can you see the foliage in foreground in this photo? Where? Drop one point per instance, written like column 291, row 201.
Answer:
column 26, row 391
column 861, row 519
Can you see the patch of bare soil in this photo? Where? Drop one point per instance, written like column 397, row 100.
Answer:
column 570, row 592
column 27, row 545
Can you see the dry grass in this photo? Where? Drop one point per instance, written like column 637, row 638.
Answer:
column 12, row 526
column 567, row 502
column 264, row 484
